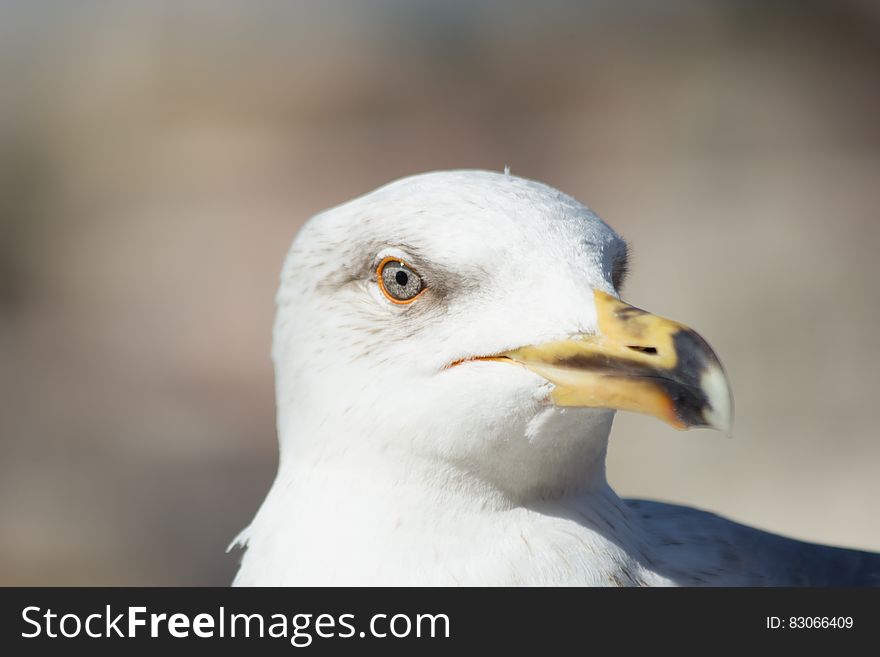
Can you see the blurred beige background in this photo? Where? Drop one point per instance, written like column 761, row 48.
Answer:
column 156, row 159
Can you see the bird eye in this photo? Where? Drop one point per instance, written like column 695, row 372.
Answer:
column 398, row 281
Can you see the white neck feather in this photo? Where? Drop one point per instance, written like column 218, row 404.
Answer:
column 358, row 516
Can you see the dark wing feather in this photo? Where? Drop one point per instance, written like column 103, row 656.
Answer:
column 697, row 547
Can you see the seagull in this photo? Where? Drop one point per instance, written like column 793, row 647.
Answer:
column 450, row 350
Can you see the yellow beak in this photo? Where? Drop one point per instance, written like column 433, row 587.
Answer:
column 637, row 362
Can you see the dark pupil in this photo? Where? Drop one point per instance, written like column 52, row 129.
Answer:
column 401, row 278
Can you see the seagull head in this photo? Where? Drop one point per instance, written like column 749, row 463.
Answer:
column 473, row 319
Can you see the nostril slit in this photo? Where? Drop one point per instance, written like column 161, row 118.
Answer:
column 652, row 351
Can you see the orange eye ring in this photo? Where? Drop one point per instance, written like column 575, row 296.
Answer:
column 382, row 286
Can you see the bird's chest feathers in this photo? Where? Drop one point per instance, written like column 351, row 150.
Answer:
column 409, row 536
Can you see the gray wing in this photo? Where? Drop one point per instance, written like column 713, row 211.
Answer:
column 696, row 547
